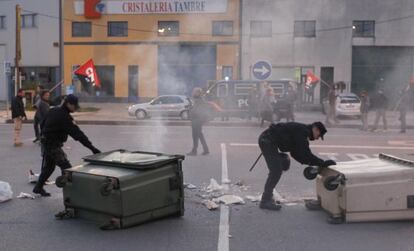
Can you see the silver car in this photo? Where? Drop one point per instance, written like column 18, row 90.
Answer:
column 166, row 105
column 347, row 104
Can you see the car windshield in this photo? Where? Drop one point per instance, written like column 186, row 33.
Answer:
column 349, row 100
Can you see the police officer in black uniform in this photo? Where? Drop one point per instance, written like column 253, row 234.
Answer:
column 287, row 137
column 55, row 129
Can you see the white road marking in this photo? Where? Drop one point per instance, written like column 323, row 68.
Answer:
column 401, row 142
column 332, row 156
column 224, row 228
column 340, row 146
column 357, row 156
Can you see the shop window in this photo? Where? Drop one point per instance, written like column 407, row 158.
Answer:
column 2, row 22
column 305, row 29
column 261, row 28
column 117, row 29
column 222, row 28
column 168, row 28
column 29, row 20
column 363, row 29
column 227, row 72
column 81, row 29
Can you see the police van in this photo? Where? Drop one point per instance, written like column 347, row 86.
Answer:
column 231, row 98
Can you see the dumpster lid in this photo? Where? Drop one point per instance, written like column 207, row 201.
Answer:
column 134, row 160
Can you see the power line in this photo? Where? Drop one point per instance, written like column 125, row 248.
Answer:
column 209, row 34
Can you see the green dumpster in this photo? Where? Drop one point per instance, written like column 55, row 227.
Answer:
column 119, row 189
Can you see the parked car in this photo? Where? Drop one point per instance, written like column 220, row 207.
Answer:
column 166, row 105
column 347, row 104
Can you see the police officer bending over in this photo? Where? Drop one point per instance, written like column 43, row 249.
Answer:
column 288, row 137
column 55, row 129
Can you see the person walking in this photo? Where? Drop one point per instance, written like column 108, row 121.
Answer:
column 42, row 110
column 291, row 100
column 331, row 111
column 198, row 117
column 380, row 105
column 36, row 123
column 56, row 127
column 266, row 106
column 364, row 109
column 404, row 104
column 18, row 115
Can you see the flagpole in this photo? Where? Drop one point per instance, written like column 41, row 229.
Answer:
column 56, row 86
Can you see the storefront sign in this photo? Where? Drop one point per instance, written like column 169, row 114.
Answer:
column 149, row 7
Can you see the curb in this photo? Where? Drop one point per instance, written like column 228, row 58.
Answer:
column 185, row 123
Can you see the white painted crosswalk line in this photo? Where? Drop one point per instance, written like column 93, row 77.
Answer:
column 332, row 156
column 357, row 156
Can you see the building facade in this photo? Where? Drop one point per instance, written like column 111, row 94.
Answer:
column 142, row 49
column 366, row 44
column 39, row 44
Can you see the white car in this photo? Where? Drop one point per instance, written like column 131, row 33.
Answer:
column 166, row 105
column 347, row 104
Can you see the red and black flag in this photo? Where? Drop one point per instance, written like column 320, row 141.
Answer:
column 88, row 72
column 311, row 80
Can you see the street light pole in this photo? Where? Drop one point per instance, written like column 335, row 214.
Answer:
column 18, row 55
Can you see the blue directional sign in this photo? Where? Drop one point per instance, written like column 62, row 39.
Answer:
column 262, row 70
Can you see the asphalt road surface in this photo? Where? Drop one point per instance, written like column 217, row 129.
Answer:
column 29, row 224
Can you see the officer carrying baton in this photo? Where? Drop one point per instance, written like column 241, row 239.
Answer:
column 254, row 164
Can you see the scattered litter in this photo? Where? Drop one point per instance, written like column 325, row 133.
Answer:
column 33, row 177
column 211, row 205
column 253, row 198
column 226, row 181
column 26, row 196
column 291, row 204
column 214, row 186
column 189, row 186
column 240, row 183
column 230, row 236
column 229, row 199
column 5, row 191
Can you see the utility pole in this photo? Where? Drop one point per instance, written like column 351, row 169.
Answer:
column 18, row 55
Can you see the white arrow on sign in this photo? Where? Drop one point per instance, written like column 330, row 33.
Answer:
column 263, row 70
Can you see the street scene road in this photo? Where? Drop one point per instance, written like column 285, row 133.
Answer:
column 27, row 224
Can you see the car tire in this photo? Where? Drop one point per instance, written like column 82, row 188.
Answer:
column 184, row 115
column 140, row 114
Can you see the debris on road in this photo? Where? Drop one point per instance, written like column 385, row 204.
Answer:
column 240, row 183
column 214, row 186
column 5, row 191
column 189, row 186
column 26, row 196
column 230, row 199
column 211, row 205
column 253, row 198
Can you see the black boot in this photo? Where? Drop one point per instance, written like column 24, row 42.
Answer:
column 270, row 205
column 41, row 191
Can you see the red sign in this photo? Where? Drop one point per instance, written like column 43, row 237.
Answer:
column 88, row 70
column 90, row 9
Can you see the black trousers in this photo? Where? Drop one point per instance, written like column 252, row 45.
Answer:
column 36, row 127
column 274, row 164
column 197, row 131
column 52, row 157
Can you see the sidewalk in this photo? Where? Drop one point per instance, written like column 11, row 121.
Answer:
column 116, row 114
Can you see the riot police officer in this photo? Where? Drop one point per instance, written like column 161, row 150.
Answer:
column 55, row 129
column 287, row 137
